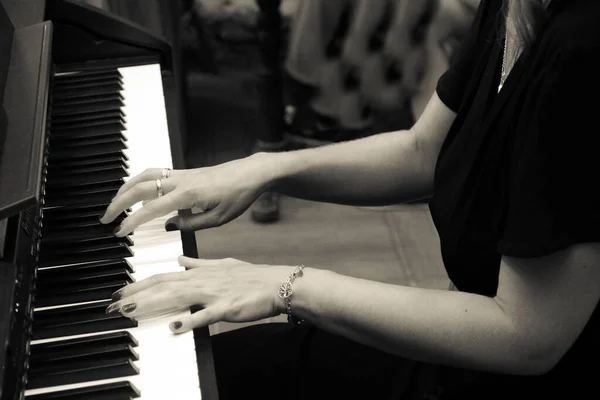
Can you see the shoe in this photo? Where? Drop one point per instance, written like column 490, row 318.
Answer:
column 266, row 208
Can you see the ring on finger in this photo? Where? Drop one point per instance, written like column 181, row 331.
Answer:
column 166, row 172
column 159, row 188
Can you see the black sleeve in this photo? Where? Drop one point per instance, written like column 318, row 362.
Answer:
column 553, row 194
column 451, row 84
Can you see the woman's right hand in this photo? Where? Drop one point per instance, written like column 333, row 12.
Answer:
column 222, row 193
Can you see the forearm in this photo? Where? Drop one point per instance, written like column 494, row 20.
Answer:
column 378, row 170
column 452, row 328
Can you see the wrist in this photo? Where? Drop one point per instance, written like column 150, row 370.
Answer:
column 307, row 289
column 275, row 168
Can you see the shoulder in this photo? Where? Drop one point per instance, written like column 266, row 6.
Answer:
column 568, row 53
column 575, row 27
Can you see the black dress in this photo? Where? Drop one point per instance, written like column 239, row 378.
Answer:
column 516, row 176
column 517, row 172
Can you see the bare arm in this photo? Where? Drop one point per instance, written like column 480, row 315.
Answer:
column 388, row 168
column 541, row 307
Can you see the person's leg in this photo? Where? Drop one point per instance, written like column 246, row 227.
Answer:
column 277, row 361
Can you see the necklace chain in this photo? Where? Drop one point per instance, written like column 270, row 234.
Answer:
column 545, row 3
column 504, row 56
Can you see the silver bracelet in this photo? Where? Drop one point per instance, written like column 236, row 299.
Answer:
column 285, row 292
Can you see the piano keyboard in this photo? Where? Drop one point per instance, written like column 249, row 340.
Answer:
column 105, row 127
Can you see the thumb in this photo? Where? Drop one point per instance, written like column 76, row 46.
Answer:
column 194, row 222
column 199, row 319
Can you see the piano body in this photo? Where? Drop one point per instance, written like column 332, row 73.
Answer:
column 86, row 100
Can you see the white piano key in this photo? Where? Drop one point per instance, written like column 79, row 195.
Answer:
column 167, row 364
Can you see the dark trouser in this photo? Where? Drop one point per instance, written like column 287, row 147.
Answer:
column 277, row 361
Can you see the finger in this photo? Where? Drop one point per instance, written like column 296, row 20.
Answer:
column 195, row 222
column 141, row 191
column 151, row 210
column 148, row 283
column 190, row 262
column 150, row 174
column 199, row 319
column 172, row 296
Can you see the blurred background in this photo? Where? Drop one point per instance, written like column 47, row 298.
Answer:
column 276, row 75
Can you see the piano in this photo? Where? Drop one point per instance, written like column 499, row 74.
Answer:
column 87, row 99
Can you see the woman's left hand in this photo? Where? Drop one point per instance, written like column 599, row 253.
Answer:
column 228, row 290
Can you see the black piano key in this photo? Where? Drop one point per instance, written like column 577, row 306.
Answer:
column 76, row 142
column 92, row 199
column 85, row 190
column 113, row 104
column 65, row 224
column 97, row 168
column 66, row 215
column 107, row 175
column 95, row 114
column 76, row 125
column 77, row 271
column 73, row 217
column 91, row 99
column 98, row 130
column 88, row 80
column 99, row 193
column 79, row 292
column 87, row 92
column 76, row 320
column 112, row 391
column 67, row 279
column 88, row 74
column 100, row 160
column 56, row 235
column 72, row 241
column 67, row 243
column 73, row 106
column 59, row 155
column 82, row 372
column 41, row 352
column 74, row 212
column 93, row 350
column 89, row 83
column 90, row 253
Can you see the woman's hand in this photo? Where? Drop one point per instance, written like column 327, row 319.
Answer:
column 229, row 290
column 222, row 193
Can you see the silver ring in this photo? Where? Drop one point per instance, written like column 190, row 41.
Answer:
column 166, row 172
column 159, row 188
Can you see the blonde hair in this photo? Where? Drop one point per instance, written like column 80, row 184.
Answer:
column 528, row 16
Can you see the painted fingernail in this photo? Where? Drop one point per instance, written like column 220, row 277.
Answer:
column 176, row 325
column 118, row 295
column 113, row 308
column 170, row 227
column 117, row 229
column 128, row 307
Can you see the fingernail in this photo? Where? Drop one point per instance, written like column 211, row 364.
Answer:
column 171, row 226
column 128, row 307
column 118, row 295
column 101, row 217
column 176, row 325
column 118, row 228
column 112, row 308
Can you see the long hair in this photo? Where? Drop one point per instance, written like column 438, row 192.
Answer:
column 528, row 16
